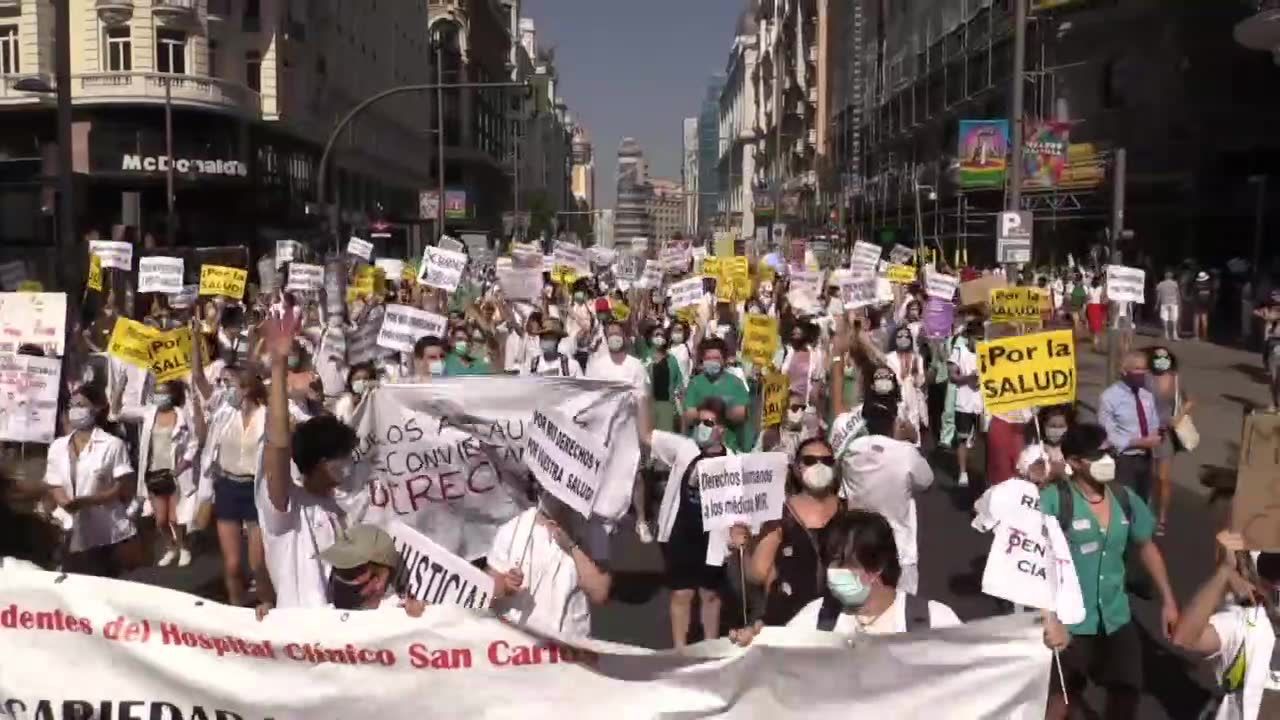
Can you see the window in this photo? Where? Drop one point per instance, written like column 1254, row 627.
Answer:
column 253, row 70
column 213, row 58
column 119, row 53
column 252, row 16
column 171, row 51
column 9, row 50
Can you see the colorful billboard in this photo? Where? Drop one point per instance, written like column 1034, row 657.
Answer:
column 984, row 147
column 1044, row 154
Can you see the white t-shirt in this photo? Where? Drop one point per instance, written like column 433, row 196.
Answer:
column 540, row 366
column 968, row 400
column 294, row 540
column 883, row 475
column 892, row 621
column 629, row 371
column 519, row 351
column 550, row 599
column 1247, row 629
column 103, row 460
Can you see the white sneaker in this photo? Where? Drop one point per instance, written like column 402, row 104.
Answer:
column 167, row 559
column 963, row 480
column 184, row 557
column 645, row 531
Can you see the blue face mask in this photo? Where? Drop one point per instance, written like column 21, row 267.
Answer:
column 847, row 587
column 702, row 435
column 712, row 368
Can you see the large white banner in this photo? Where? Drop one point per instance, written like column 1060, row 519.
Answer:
column 108, row 648
column 447, row 457
column 28, row 398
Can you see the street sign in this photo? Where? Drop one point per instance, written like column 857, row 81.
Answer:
column 1013, row 236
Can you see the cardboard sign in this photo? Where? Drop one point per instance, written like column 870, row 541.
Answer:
column 402, row 327
column 520, row 284
column 94, row 281
column 442, row 268
column 901, row 274
column 978, row 291
column 434, row 575
column 1255, row 512
column 940, row 286
column 686, row 293
column 566, row 460
column 287, row 251
column 362, row 249
column 131, row 342
column 777, row 392
column 1126, row 284
column 1018, row 304
column 306, row 278
column 225, row 281
column 1027, row 371
column 865, row 257
column 760, row 339
column 171, row 355
column 29, row 398
column 38, row 319
column 113, row 253
column 742, row 489
column 160, row 275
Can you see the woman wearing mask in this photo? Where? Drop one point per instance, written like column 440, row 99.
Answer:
column 680, row 344
column 1173, row 405
column 360, row 380
column 463, row 360
column 167, row 446
column 1054, row 422
column 908, row 367
column 805, row 364
column 666, row 380
column 92, row 481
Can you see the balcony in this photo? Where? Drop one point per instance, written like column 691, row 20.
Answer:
column 170, row 11
column 1261, row 31
column 114, row 12
column 149, row 88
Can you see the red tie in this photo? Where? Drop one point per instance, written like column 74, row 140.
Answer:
column 1142, row 413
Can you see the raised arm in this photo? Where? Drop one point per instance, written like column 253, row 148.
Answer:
column 278, row 334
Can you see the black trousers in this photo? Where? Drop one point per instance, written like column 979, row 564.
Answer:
column 1135, row 471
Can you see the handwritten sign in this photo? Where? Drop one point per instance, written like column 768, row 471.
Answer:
column 287, row 251
column 305, row 278
column 573, row 257
column 160, row 275
column 940, row 286
column 38, row 319
column 442, row 268
column 362, row 249
column 865, row 256
column 434, row 575
column 225, row 281
column 1126, row 284
column 686, row 293
column 742, row 489
column 29, row 398
column 777, row 392
column 113, row 253
column 566, row 460
column 901, row 274
column 403, row 326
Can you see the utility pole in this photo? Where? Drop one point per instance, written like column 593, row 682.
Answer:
column 1016, row 95
column 170, row 223
column 65, row 272
column 440, row 135
column 1119, row 172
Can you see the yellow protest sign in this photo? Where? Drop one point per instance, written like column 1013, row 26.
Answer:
column 766, row 272
column 711, row 266
column 95, row 273
column 760, row 339
column 30, row 286
column 902, row 274
column 1027, row 371
column 410, row 272
column 688, row 315
column 131, row 342
column 1018, row 304
column 563, row 275
column 777, row 391
column 225, row 281
column 171, row 355
column 621, row 312
column 369, row 281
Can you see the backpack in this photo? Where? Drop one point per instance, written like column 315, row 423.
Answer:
column 917, row 613
column 564, row 366
column 1135, row 575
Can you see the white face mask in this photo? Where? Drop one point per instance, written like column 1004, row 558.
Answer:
column 795, row 417
column 818, row 477
column 1103, row 469
column 359, row 387
column 616, row 342
column 882, row 387
column 1054, row 434
column 436, row 367
column 81, row 418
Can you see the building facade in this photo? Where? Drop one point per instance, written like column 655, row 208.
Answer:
column 666, row 209
column 738, row 119
column 632, row 224
column 689, row 175
column 584, row 170
column 708, row 157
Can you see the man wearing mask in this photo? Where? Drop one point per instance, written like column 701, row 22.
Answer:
column 550, row 360
column 617, row 365
column 1128, row 413
column 1103, row 524
column 714, row 382
column 963, row 368
column 428, row 359
column 467, row 357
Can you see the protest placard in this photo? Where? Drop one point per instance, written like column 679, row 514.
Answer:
column 674, row 258
column 362, row 345
column 369, row 280
column 858, row 292
column 305, row 277
column 1018, row 304
column 566, row 460
column 12, row 274
column 629, row 267
column 901, row 274
column 602, row 256
column 159, row 275
column 1027, row 371
column 171, row 355
column 403, row 325
column 1126, row 284
column 686, row 293
column 131, row 342
column 978, row 290
column 451, row 244
column 742, row 489
column 38, row 319
column 777, row 392
column 287, row 251
column 362, row 249
column 225, row 281
column 805, row 289
column 113, row 253
column 939, row 318
column 520, row 284
column 710, row 266
column 184, row 298
column 94, row 280
column 900, row 254
column 1030, row 564
column 1256, row 505
column 391, row 268
column 434, row 575
column 573, row 257
column 652, row 277
column 442, row 268
column 940, row 286
column 760, row 339
column 29, row 398
column 865, row 257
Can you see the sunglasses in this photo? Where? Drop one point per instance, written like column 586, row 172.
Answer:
column 707, row 423
column 797, row 408
column 810, row 460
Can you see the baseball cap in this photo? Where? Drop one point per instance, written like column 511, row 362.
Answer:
column 362, row 544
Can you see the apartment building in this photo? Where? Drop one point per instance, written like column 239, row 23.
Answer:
column 666, row 209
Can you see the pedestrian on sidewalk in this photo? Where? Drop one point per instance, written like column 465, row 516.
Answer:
column 1127, row 410
column 1096, row 311
column 1173, row 405
column 1169, row 298
column 1202, row 297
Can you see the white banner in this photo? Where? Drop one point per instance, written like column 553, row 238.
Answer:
column 29, row 398
column 33, row 318
column 402, row 326
column 565, row 459
column 392, row 268
column 942, row 287
column 520, row 284
column 674, row 259
column 287, row 251
column 858, row 292
column 447, row 457
column 436, row 576
column 159, row 275
column 12, row 274
column 113, row 253
column 742, row 489
column 362, row 249
column 572, row 256
column 686, row 293
column 442, row 268
column 1126, row 284
column 149, row 652
column 305, row 278
column 865, row 256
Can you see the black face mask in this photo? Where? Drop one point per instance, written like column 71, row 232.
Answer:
column 344, row 594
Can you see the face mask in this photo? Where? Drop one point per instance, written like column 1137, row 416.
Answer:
column 1103, row 469
column 1135, row 379
column 795, row 417
column 818, row 477
column 659, row 341
column 164, row 401
column 847, row 587
column 359, row 387
column 579, row 298
column 295, row 362
column 703, row 434
column 460, row 347
column 549, row 346
column 677, row 338
column 1054, row 435
column 345, row 595
column 1161, row 365
column 81, row 418
column 712, row 368
column 882, row 386
column 436, row 368
column 616, row 342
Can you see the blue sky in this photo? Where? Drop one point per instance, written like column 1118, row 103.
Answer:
column 635, row 68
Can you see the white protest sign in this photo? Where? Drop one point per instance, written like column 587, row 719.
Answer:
column 1032, row 566
column 33, row 319
column 113, row 253
column 268, row 275
column 451, row 244
column 184, row 298
column 442, row 268
column 447, row 457
column 335, row 277
column 29, row 398
column 686, row 293
column 391, row 268
column 630, row 267
column 548, row 263
column 362, row 249
column 602, row 256
column 572, row 256
column 900, row 254
column 159, row 275
column 858, row 292
column 287, row 251
column 402, row 326
column 805, row 289
column 652, row 277
column 864, row 258
column 520, row 284
column 362, row 346
column 940, row 286
column 333, row 345
column 674, row 258
column 434, row 575
column 12, row 274
column 1126, row 284
column 742, row 489
column 566, row 460
column 304, row 277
